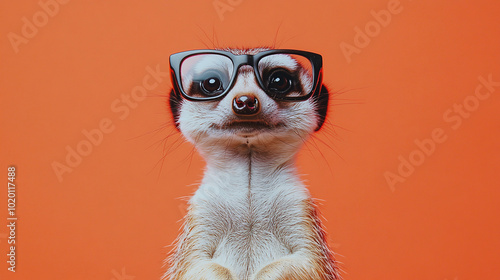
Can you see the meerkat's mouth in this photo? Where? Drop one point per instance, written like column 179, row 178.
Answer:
column 248, row 126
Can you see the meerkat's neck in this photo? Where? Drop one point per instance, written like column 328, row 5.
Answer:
column 250, row 170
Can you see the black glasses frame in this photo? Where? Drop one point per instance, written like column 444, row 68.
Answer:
column 176, row 60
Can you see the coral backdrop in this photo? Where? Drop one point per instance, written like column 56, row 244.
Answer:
column 406, row 169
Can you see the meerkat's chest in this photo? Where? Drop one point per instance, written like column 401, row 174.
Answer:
column 251, row 229
column 251, row 240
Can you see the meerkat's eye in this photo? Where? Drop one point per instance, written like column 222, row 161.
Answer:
column 211, row 83
column 280, row 81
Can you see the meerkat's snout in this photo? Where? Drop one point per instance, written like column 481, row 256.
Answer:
column 246, row 105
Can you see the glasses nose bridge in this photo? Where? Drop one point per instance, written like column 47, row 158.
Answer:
column 243, row 59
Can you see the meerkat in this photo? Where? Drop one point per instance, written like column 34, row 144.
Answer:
column 248, row 112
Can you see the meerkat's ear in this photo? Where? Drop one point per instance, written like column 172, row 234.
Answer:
column 175, row 104
column 322, row 105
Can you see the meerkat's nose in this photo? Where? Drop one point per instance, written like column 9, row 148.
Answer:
column 246, row 105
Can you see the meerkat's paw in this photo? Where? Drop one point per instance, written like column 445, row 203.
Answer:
column 287, row 269
column 210, row 271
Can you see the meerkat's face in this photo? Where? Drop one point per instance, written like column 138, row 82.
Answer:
column 215, row 104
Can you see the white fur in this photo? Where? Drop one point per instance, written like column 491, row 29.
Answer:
column 249, row 208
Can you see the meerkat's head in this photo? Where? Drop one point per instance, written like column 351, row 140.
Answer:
column 247, row 99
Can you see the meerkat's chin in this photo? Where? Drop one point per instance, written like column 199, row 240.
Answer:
column 248, row 128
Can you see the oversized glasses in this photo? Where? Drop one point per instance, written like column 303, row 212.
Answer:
column 202, row 75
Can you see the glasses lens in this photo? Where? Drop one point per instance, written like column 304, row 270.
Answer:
column 206, row 75
column 286, row 75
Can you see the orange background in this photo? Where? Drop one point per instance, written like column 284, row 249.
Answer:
column 117, row 210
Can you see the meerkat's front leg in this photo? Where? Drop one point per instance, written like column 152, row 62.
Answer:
column 192, row 259
column 206, row 270
column 294, row 267
column 310, row 258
